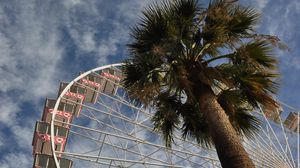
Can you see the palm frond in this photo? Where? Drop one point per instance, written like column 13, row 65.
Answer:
column 151, row 30
column 226, row 23
column 216, row 20
column 177, row 78
column 244, row 123
column 171, row 110
column 230, row 100
column 257, row 54
column 259, row 81
column 169, row 21
column 183, row 14
column 185, row 9
column 256, row 87
column 166, row 118
column 143, row 78
column 247, row 78
column 243, row 20
column 238, row 111
column 194, row 125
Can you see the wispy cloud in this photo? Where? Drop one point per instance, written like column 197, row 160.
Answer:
column 8, row 111
column 103, row 26
column 15, row 160
column 29, row 51
column 30, row 54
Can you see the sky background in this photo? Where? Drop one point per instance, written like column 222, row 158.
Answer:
column 43, row 42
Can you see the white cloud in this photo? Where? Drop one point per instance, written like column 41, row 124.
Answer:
column 23, row 136
column 16, row 160
column 29, row 54
column 285, row 25
column 8, row 111
column 113, row 29
column 71, row 3
column 2, row 140
column 261, row 4
column 295, row 62
column 88, row 41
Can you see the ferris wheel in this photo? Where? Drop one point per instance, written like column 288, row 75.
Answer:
column 92, row 123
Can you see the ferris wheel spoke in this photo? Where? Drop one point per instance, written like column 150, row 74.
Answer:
column 286, row 158
column 264, row 150
column 92, row 158
column 120, row 131
column 177, row 156
column 140, row 141
column 267, row 153
column 297, row 132
column 258, row 156
column 111, row 110
column 151, row 129
column 112, row 115
column 286, row 142
column 271, row 144
column 118, row 147
column 147, row 157
column 127, row 120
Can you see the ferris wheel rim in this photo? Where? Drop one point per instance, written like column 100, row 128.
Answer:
column 58, row 100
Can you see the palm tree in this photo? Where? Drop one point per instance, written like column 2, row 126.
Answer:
column 204, row 70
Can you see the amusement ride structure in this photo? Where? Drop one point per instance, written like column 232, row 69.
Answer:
column 92, row 123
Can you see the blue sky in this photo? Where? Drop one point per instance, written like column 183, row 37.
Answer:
column 43, row 42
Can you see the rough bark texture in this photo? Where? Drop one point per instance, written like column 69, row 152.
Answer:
column 227, row 143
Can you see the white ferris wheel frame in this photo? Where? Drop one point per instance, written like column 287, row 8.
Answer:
column 282, row 159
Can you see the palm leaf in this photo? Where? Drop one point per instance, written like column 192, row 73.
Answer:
column 143, row 79
column 242, row 21
column 170, row 111
column 166, row 118
column 256, row 87
column 245, row 123
column 152, row 29
column 194, row 125
column 258, row 54
column 238, row 111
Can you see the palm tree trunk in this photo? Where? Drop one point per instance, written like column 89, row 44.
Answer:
column 227, row 143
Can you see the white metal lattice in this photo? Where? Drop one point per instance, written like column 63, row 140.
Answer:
column 114, row 132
